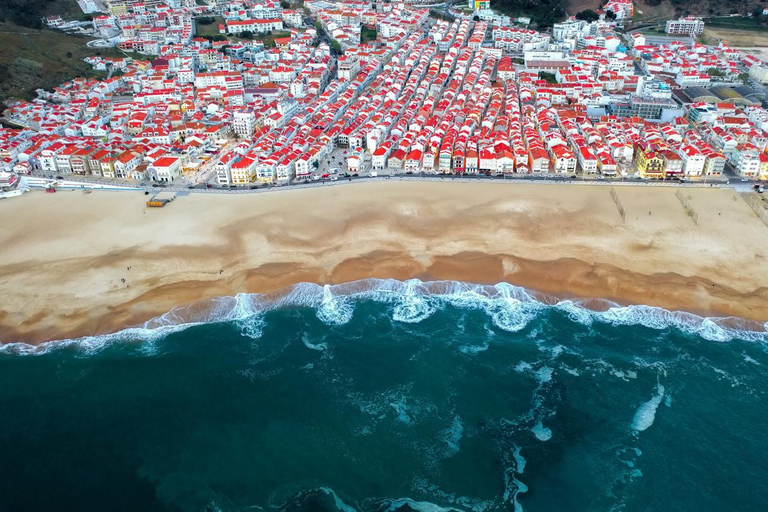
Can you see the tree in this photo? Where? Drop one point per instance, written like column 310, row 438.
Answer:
column 246, row 34
column 610, row 15
column 548, row 77
column 587, row 15
column 744, row 77
column 284, row 4
column 367, row 34
column 543, row 13
column 715, row 72
column 336, row 47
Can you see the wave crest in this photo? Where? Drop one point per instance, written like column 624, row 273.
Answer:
column 511, row 308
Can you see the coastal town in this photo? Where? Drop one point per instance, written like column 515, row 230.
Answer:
column 251, row 94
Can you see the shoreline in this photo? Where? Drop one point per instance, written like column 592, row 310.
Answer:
column 310, row 295
column 61, row 280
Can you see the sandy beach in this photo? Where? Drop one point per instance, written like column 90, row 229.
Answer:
column 63, row 256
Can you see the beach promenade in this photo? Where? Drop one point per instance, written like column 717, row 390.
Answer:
column 64, row 258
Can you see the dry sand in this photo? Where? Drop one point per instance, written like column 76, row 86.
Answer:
column 760, row 53
column 742, row 39
column 62, row 256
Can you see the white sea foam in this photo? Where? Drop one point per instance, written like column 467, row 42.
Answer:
column 544, row 374
column 252, row 326
column 401, row 408
column 452, row 436
column 510, row 308
column 474, row 349
column 749, row 359
column 513, row 487
column 568, row 369
column 418, row 506
column 523, row 367
column 541, row 432
column 575, row 312
column 413, row 305
column 313, row 346
column 334, row 310
column 646, row 413
column 340, row 505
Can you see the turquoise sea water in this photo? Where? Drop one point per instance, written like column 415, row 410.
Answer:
column 391, row 396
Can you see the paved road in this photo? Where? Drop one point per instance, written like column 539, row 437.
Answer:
column 659, row 40
column 550, row 179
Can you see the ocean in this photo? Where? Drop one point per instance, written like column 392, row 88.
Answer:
column 391, row 396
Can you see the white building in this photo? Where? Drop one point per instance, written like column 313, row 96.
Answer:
column 685, row 26
column 693, row 160
column 244, row 123
column 759, row 74
column 167, row 168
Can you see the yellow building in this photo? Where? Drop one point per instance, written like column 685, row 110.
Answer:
column 763, row 168
column 649, row 163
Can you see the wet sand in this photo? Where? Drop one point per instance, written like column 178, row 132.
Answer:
column 63, row 256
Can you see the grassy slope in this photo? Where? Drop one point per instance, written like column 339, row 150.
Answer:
column 269, row 39
column 42, row 58
column 31, row 59
column 211, row 29
column 667, row 9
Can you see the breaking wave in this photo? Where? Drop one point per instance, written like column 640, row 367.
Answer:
column 510, row 308
column 646, row 413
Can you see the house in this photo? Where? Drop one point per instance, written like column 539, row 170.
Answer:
column 413, row 161
column 471, row 161
column 587, row 160
column 564, row 161
column 606, row 164
column 649, row 163
column 242, row 171
column 107, row 164
column 538, row 159
column 715, row 162
column 166, row 168
column 126, row 162
column 673, row 164
column 379, row 158
column 763, row 168
column 428, row 161
column 693, row 160
column 396, row 160
column 353, row 163
column 746, row 160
